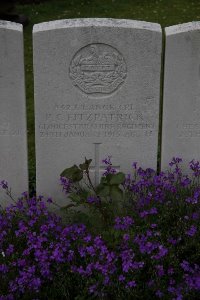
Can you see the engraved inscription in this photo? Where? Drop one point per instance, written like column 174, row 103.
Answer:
column 188, row 130
column 98, row 121
column 98, row 69
column 7, row 130
column 190, row 127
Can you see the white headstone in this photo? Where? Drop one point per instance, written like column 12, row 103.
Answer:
column 97, row 84
column 13, row 141
column 181, row 107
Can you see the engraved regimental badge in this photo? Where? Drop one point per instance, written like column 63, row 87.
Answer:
column 98, row 69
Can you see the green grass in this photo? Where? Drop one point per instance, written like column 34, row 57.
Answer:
column 165, row 12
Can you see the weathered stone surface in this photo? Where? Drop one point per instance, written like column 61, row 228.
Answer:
column 13, row 141
column 97, row 85
column 181, row 107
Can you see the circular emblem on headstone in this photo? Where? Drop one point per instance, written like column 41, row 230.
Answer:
column 98, row 69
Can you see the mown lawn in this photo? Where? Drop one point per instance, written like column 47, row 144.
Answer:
column 165, row 12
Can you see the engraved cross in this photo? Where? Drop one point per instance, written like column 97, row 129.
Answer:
column 97, row 168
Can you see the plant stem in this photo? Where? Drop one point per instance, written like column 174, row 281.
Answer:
column 90, row 182
column 8, row 192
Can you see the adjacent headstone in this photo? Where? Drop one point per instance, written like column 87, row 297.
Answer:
column 97, row 89
column 13, row 141
column 181, row 107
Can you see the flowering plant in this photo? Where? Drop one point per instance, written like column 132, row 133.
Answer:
column 139, row 238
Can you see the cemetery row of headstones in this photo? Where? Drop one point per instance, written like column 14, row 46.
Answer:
column 97, row 93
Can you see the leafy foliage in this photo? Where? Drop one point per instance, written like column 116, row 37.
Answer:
column 144, row 245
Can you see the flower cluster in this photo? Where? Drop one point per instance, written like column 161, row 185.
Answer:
column 33, row 245
column 150, row 250
column 109, row 169
column 66, row 184
column 123, row 223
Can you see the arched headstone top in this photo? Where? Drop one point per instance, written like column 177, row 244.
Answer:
column 96, row 22
column 11, row 25
column 182, row 28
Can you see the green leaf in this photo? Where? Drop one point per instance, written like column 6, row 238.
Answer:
column 104, row 180
column 117, row 178
column 83, row 167
column 73, row 173
column 88, row 161
column 103, row 190
column 116, row 193
column 68, row 206
column 84, row 195
column 109, row 177
column 69, row 171
column 75, row 198
column 86, row 164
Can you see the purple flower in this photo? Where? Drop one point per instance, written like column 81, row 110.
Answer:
column 195, row 216
column 49, row 200
column 192, row 200
column 144, row 213
column 121, row 277
column 160, row 270
column 87, row 238
column 7, row 297
column 109, row 169
column 170, row 270
column 153, row 211
column 90, row 250
column 195, row 167
column 126, row 237
column 66, row 184
column 161, row 253
column 4, row 184
column 185, row 266
column 159, row 294
column 175, row 161
column 131, row 284
column 134, row 165
column 153, row 226
column 191, row 231
column 10, row 250
column 193, row 281
column 123, row 223
column 93, row 288
column 4, row 269
column 93, row 199
column 173, row 241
